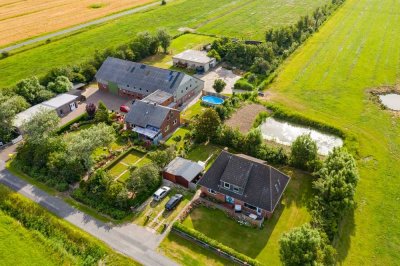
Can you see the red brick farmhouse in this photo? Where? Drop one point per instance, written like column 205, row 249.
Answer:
column 245, row 183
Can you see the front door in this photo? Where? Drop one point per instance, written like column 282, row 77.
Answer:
column 229, row 199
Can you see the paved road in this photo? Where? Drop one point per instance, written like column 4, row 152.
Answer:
column 129, row 239
column 80, row 26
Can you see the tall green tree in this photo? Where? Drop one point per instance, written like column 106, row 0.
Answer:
column 41, row 126
column 306, row 246
column 60, row 85
column 31, row 90
column 145, row 179
column 335, row 189
column 164, row 38
column 207, row 125
column 162, row 158
column 102, row 114
column 219, row 85
column 304, row 152
column 9, row 107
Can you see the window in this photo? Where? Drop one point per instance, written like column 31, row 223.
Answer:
column 166, row 129
column 236, row 189
column 211, row 191
column 250, row 206
column 227, row 185
column 175, row 121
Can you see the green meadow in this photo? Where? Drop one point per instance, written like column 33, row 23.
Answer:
column 328, row 80
column 224, row 17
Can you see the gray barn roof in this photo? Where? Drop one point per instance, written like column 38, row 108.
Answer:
column 143, row 113
column 184, row 168
column 264, row 185
column 136, row 77
column 60, row 100
column 158, row 96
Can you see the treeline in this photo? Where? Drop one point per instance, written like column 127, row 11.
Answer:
column 262, row 59
column 62, row 238
column 35, row 90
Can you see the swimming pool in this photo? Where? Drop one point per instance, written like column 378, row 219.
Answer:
column 212, row 100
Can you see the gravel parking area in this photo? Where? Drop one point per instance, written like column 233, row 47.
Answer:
column 219, row 73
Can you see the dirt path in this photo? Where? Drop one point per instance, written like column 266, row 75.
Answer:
column 244, row 118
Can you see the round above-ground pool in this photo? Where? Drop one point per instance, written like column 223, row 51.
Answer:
column 212, row 100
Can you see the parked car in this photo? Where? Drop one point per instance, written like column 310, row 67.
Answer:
column 124, row 109
column 173, row 202
column 161, row 193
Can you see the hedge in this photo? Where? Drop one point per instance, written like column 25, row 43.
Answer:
column 67, row 125
column 119, row 157
column 215, row 244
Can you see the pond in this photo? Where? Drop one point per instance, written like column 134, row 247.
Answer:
column 285, row 133
column 391, row 101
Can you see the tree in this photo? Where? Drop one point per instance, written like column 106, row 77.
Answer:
column 304, row 152
column 306, row 246
column 60, row 85
column 102, row 113
column 30, row 89
column 260, row 66
column 219, row 85
column 164, row 38
column 145, row 179
column 91, row 110
column 207, row 125
column 252, row 141
column 163, row 2
column 162, row 158
column 41, row 126
column 88, row 71
column 214, row 54
column 81, row 145
column 9, row 107
column 335, row 189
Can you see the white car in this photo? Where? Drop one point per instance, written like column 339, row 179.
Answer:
column 161, row 193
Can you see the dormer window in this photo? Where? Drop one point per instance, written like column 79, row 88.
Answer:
column 235, row 189
column 227, row 185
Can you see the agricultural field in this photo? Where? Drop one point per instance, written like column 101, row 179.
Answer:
column 328, row 80
column 19, row 246
column 79, row 47
column 17, row 17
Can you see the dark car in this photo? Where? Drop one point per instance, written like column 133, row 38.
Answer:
column 173, row 202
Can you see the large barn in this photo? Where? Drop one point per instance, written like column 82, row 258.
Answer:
column 137, row 81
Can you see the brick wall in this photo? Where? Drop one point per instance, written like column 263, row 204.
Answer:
column 168, row 126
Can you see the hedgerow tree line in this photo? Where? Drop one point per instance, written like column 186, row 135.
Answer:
column 334, row 187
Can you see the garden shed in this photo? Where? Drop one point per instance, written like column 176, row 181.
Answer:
column 183, row 172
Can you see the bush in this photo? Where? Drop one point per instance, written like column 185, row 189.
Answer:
column 67, row 126
column 243, row 84
column 214, row 243
column 304, row 152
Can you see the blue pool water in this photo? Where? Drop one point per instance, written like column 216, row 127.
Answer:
column 212, row 100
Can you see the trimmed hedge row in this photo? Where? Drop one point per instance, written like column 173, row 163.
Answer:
column 214, row 243
column 68, row 125
column 119, row 157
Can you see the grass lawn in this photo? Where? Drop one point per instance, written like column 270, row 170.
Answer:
column 188, row 253
column 19, row 246
column 259, row 244
column 202, row 152
column 154, row 208
column 180, row 44
column 327, row 79
column 132, row 158
column 192, row 111
column 180, row 132
column 205, row 15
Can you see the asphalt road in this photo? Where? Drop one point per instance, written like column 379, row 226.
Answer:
column 79, row 27
column 129, row 239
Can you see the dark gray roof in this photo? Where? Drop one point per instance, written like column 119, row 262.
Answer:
column 264, row 185
column 133, row 76
column 184, row 168
column 143, row 113
column 158, row 96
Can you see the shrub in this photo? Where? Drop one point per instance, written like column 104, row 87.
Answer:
column 243, row 84
column 304, row 152
column 219, row 85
